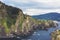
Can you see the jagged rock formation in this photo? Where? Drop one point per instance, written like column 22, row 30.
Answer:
column 55, row 35
column 14, row 23
column 8, row 16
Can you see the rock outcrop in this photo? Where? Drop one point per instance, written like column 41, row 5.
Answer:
column 55, row 35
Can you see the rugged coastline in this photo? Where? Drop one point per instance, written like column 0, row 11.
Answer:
column 13, row 23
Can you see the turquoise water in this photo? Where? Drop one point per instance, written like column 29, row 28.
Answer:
column 42, row 34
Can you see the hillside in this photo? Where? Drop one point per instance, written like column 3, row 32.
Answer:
column 14, row 23
column 49, row 16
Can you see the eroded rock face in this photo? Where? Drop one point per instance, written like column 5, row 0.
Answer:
column 55, row 35
column 8, row 16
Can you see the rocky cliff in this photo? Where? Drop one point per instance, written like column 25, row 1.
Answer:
column 10, row 18
column 14, row 23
